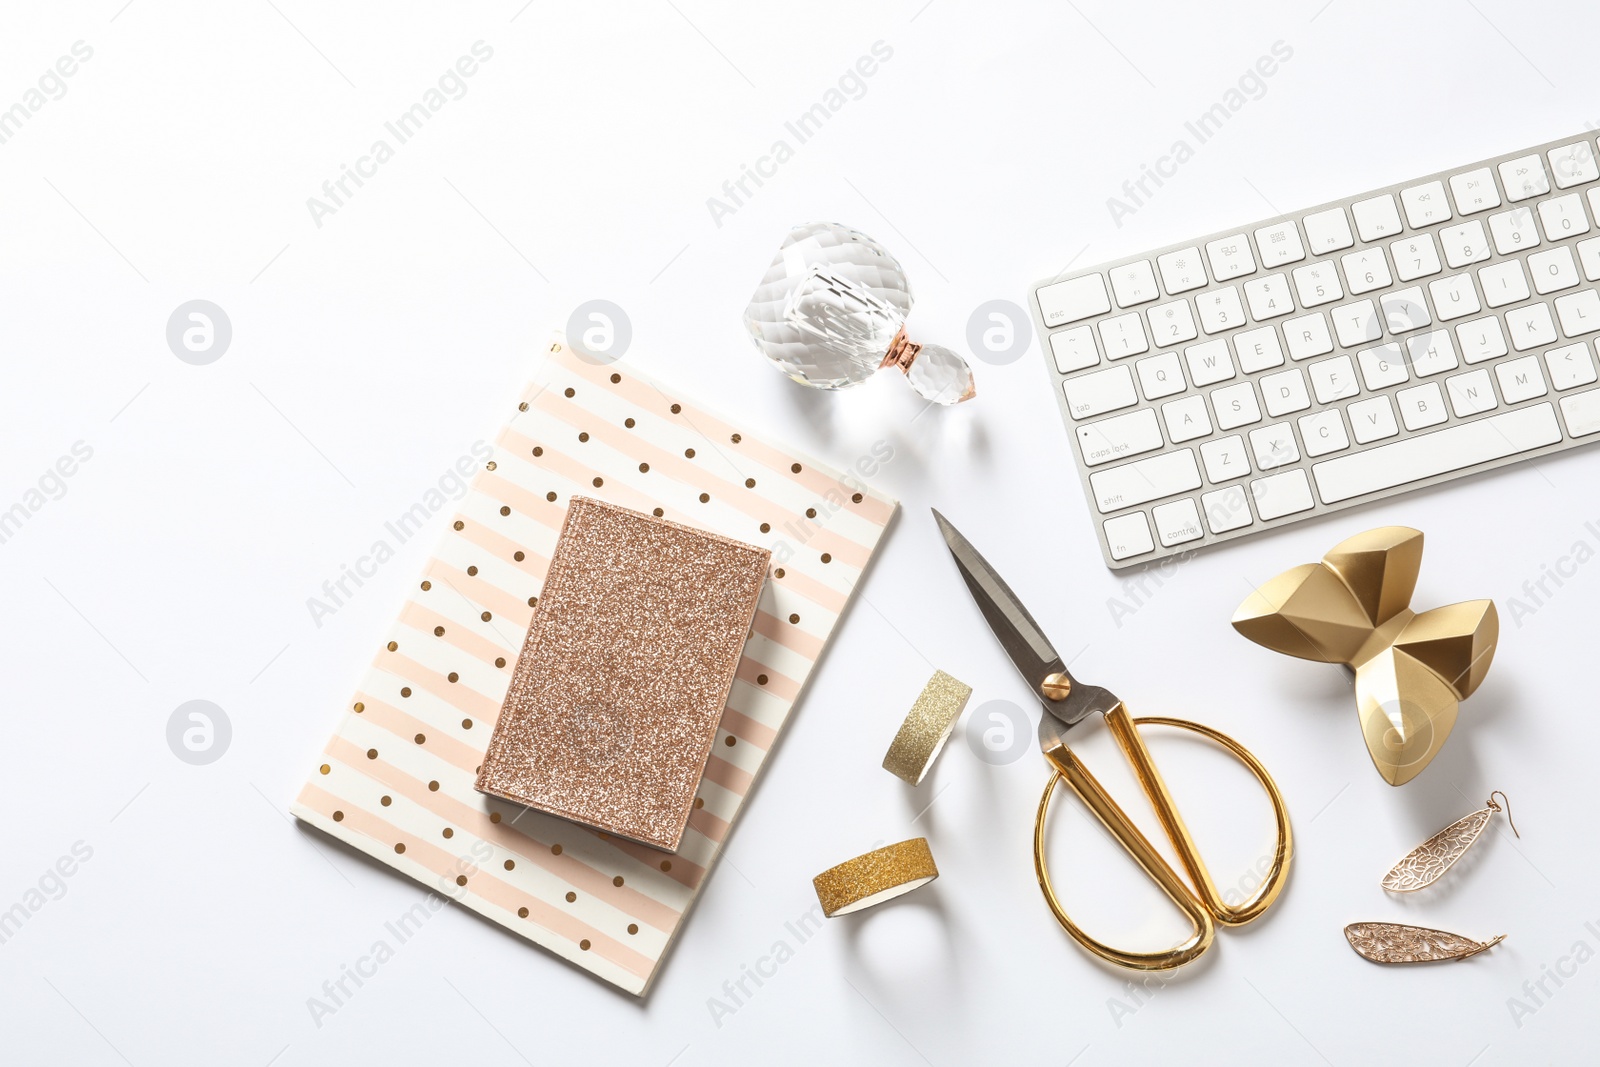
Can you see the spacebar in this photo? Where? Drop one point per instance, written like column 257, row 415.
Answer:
column 1436, row 453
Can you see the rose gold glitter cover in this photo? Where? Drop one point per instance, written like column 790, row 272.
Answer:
column 622, row 681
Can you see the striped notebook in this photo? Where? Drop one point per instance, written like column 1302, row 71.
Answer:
column 396, row 779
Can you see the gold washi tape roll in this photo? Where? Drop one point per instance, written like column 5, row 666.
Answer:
column 875, row 877
column 926, row 728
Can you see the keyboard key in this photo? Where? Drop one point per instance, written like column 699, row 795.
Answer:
column 1415, row 257
column 1421, row 406
column 1474, row 191
column 1553, row 271
column 1405, row 310
column 1268, row 297
column 1383, row 366
column 1134, row 283
column 1129, row 535
column 1144, row 480
column 1181, row 270
column 1328, row 231
column 1454, row 297
column 1187, row 418
column 1365, row 270
column 1224, row 458
column 1376, row 218
column 1123, row 335
column 1177, row 522
column 1572, row 164
column 1273, row 446
column 1520, row 379
column 1570, row 366
column 1524, row 178
column 1430, row 353
column 1333, row 379
column 1481, row 339
column 1160, row 376
column 1589, row 258
column 1074, row 349
column 1579, row 312
column 1235, row 406
column 1433, row 454
column 1209, row 362
column 1279, row 245
column 1530, row 327
column 1074, row 299
column 1257, row 349
column 1172, row 323
column 1594, row 202
column 1503, row 283
column 1285, row 393
column 1282, row 494
column 1119, row 437
column 1582, row 412
column 1471, row 393
column 1220, row 310
column 1103, row 390
column 1226, row 509
column 1425, row 204
column 1317, row 283
column 1230, row 258
column 1372, row 419
column 1308, row 336
column 1513, row 230
column 1463, row 244
column 1323, row 432
column 1563, row 217
column 1356, row 323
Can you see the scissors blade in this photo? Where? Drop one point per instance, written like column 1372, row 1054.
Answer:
column 1030, row 650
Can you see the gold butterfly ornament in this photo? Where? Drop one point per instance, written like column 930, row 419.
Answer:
column 1412, row 669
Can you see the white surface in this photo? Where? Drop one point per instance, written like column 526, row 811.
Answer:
column 370, row 353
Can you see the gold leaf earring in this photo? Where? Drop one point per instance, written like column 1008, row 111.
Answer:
column 1397, row 943
column 1426, row 863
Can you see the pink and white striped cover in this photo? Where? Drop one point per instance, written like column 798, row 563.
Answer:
column 396, row 778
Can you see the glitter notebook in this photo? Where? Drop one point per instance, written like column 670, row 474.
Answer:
column 396, row 780
column 624, row 676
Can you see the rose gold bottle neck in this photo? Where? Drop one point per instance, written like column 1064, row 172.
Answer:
column 902, row 353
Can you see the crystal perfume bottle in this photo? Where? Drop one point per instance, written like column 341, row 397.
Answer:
column 831, row 311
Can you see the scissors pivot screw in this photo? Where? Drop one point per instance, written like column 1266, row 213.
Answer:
column 1056, row 687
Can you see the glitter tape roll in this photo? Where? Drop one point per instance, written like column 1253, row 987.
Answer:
column 926, row 728
column 875, row 877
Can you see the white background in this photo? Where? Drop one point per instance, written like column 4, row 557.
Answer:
column 372, row 351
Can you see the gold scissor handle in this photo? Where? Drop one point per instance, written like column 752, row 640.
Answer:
column 1202, row 908
column 1070, row 769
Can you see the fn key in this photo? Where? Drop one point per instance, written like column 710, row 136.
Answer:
column 1129, row 535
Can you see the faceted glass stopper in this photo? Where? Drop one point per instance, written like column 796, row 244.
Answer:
column 831, row 310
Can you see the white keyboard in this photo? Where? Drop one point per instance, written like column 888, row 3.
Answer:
column 1397, row 339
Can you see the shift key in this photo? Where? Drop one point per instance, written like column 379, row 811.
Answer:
column 1145, row 480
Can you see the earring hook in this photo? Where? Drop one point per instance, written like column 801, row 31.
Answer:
column 1496, row 807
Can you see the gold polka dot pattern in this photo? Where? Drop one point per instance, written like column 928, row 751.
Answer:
column 449, row 841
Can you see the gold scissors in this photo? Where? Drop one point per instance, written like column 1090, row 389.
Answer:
column 1067, row 702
